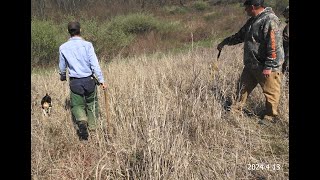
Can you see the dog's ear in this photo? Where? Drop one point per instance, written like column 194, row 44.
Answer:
column 42, row 100
column 49, row 99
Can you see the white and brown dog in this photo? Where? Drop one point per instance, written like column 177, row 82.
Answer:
column 46, row 105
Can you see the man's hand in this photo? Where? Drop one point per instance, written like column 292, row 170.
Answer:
column 63, row 77
column 220, row 46
column 266, row 72
column 103, row 85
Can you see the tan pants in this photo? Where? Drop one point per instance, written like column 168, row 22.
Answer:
column 271, row 87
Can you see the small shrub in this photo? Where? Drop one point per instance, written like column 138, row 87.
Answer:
column 45, row 41
column 122, row 30
column 200, row 5
column 166, row 28
column 112, row 40
column 134, row 23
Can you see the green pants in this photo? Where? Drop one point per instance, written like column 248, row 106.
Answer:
column 270, row 87
column 85, row 108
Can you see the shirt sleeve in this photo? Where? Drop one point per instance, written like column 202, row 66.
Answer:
column 62, row 64
column 273, row 41
column 237, row 37
column 95, row 64
column 286, row 41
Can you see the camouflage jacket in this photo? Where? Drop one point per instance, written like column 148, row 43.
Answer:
column 286, row 41
column 262, row 37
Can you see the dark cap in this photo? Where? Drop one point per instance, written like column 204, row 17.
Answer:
column 73, row 26
column 253, row 2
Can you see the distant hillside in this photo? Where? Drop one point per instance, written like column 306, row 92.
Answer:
column 125, row 28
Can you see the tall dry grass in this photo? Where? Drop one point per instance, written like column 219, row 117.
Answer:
column 168, row 120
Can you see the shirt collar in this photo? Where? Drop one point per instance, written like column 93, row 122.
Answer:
column 75, row 38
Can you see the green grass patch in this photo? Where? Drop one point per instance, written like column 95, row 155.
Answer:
column 200, row 5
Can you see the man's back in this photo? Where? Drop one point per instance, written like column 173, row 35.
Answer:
column 78, row 53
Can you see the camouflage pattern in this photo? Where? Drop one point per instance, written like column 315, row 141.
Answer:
column 285, row 12
column 262, row 37
column 285, row 35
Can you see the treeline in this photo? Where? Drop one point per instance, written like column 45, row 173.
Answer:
column 107, row 8
column 46, row 8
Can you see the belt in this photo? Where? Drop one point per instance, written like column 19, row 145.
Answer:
column 71, row 78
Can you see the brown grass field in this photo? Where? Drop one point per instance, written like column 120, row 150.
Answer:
column 168, row 122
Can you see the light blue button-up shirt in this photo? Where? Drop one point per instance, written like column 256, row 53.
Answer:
column 80, row 58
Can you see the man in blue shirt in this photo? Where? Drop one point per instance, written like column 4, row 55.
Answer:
column 79, row 57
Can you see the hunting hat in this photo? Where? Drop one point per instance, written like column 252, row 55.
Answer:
column 253, row 2
column 73, row 26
